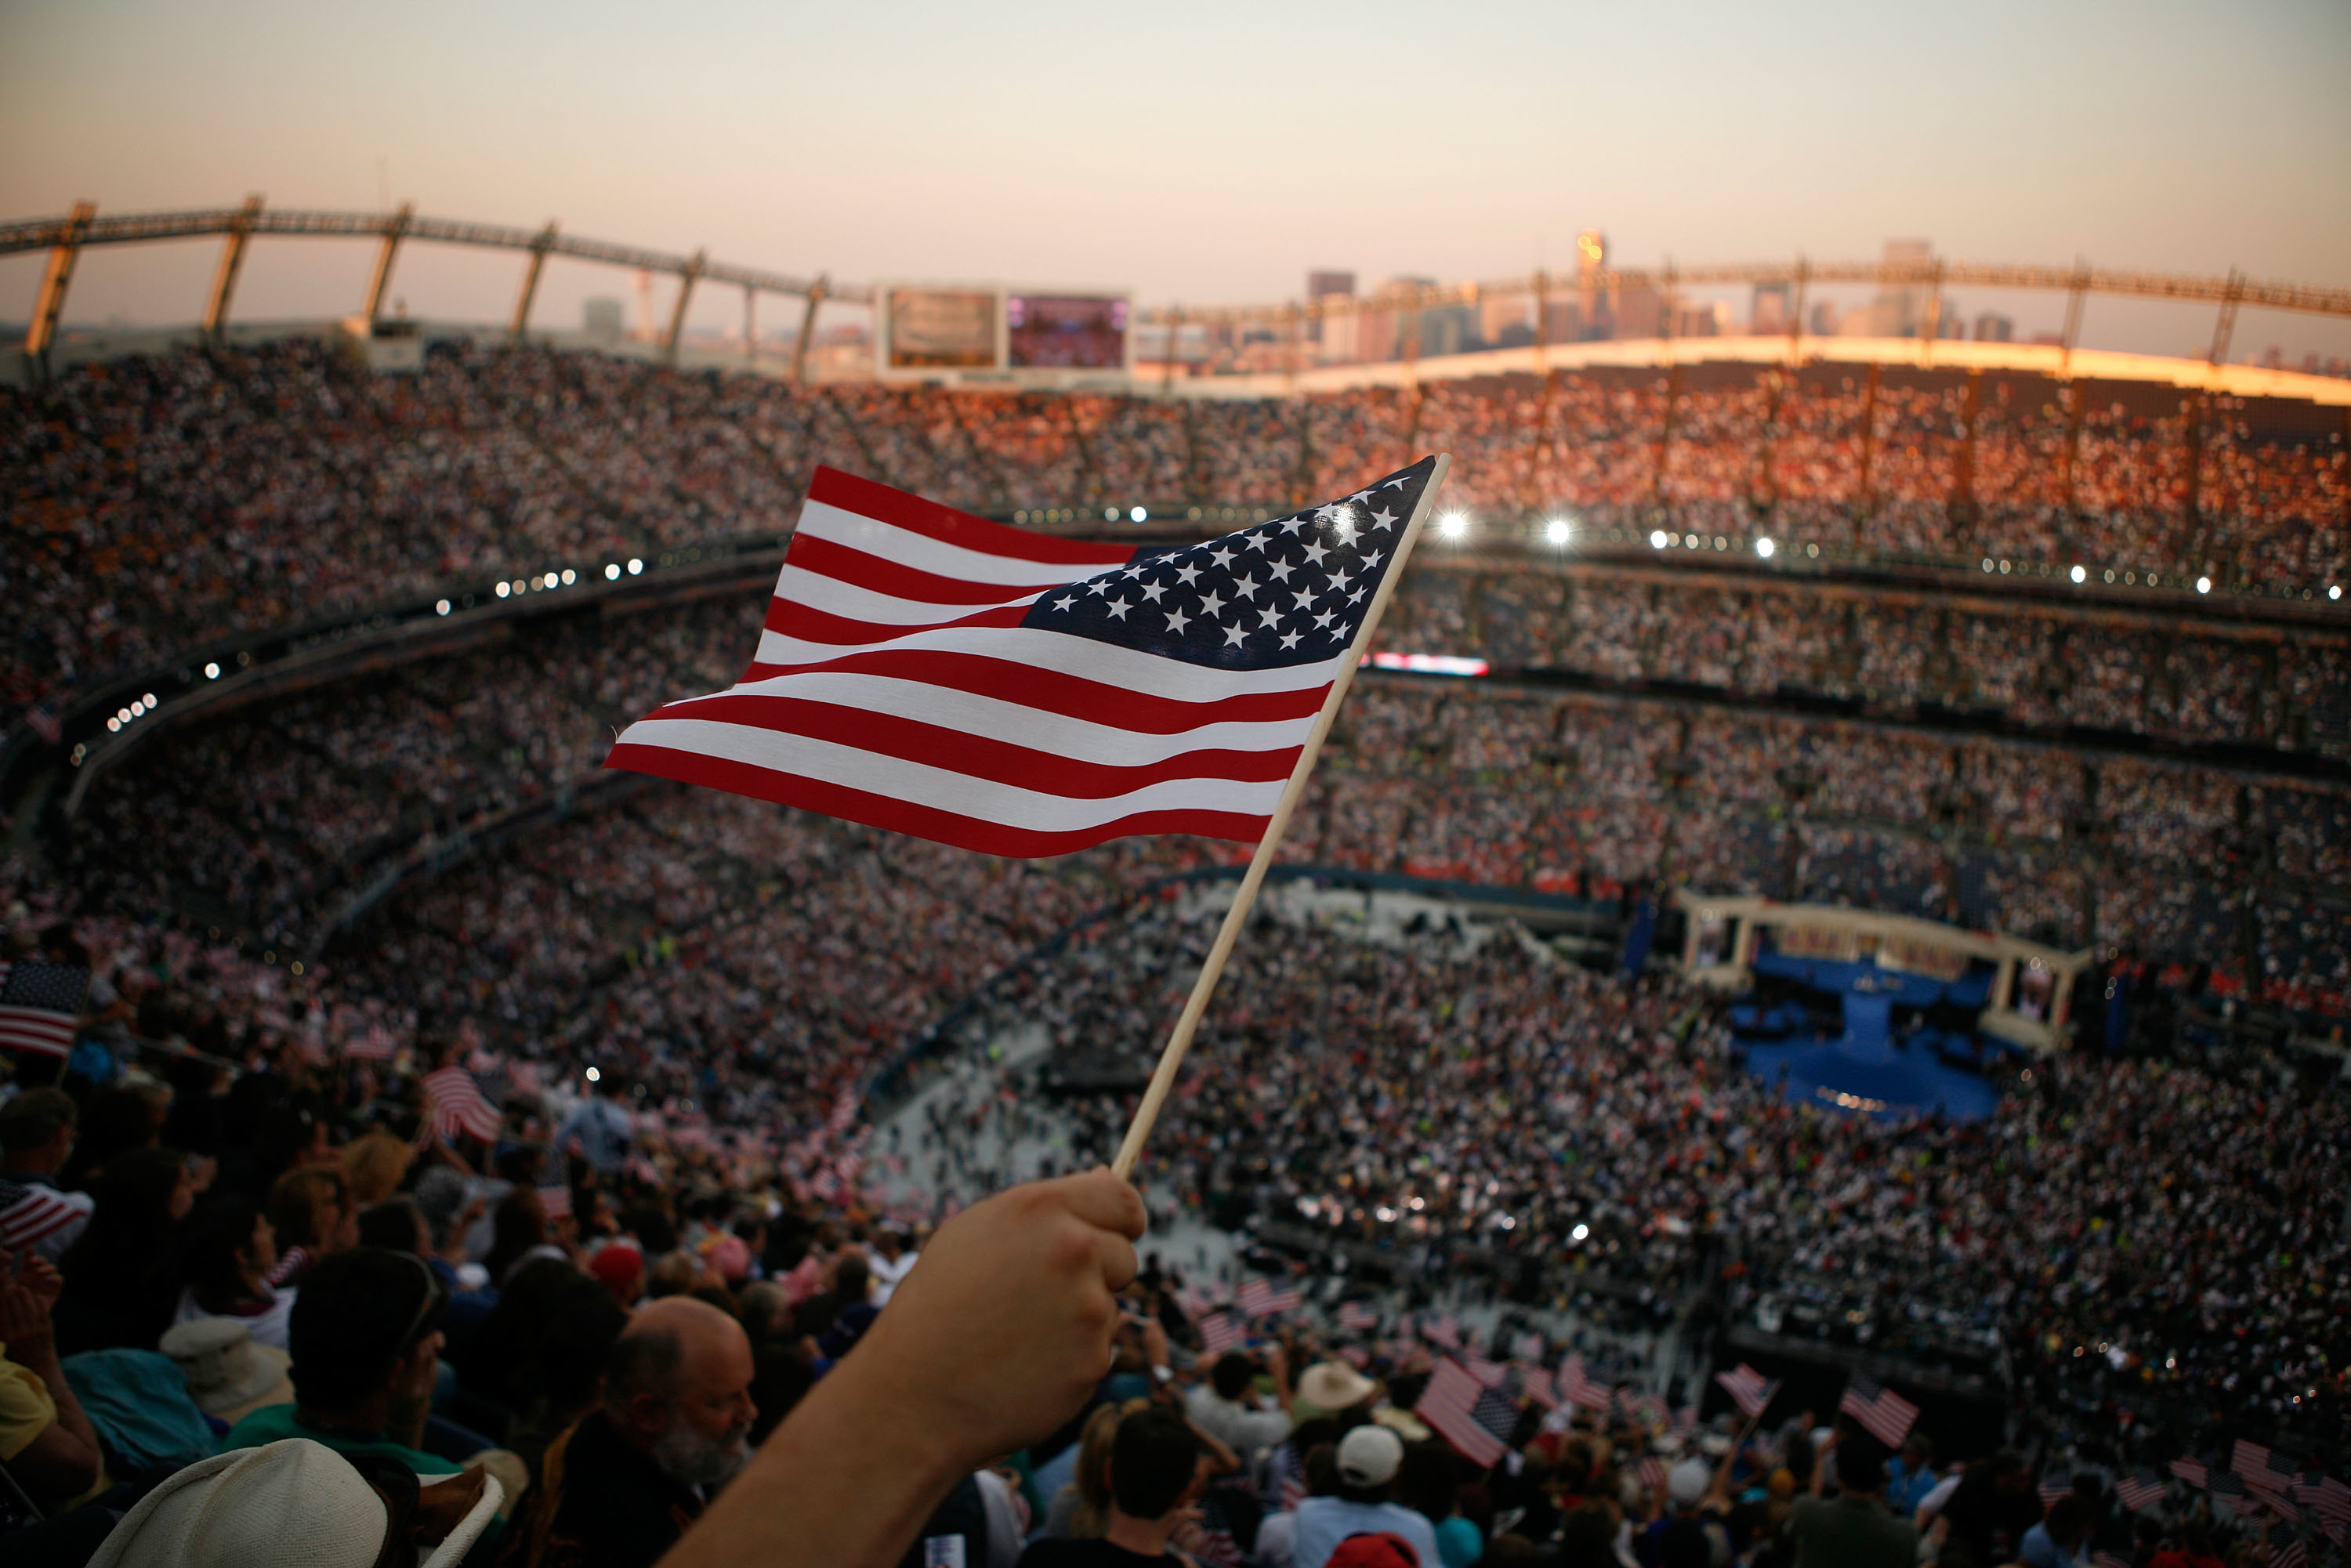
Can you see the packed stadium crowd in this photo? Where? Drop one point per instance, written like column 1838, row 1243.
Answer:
column 156, row 503
column 522, row 1177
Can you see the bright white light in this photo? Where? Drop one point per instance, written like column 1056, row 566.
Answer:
column 440, row 607
column 125, row 715
column 1764, row 547
column 2203, row 585
column 148, row 699
column 1136, row 515
column 1987, row 563
column 212, row 672
column 113, row 724
column 1556, row 530
column 636, row 566
column 2334, row 591
column 612, row 571
column 1452, row 524
column 2079, row 574
column 503, row 590
column 551, row 580
column 595, row 1075
column 1659, row 538
column 1689, row 542
column 1579, row 1233
column 569, row 577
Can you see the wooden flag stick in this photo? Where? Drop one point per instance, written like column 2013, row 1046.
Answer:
column 1179, row 1039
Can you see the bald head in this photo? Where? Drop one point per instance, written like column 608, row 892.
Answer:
column 677, row 1386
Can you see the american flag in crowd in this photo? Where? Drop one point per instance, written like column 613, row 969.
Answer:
column 1357, row 1317
column 373, row 1044
column 2230, row 1488
column 2141, row 1490
column 1576, row 1387
column 30, row 1214
column 454, row 1104
column 935, row 674
column 2054, row 1487
column 555, row 1202
column 1260, row 1299
column 1477, row 1420
column 1536, row 1383
column 827, row 1185
column 2332, row 1501
column 2293, row 1554
column 1652, row 1472
column 844, row 1113
column 2263, row 1470
column 1490, row 1372
column 1356, row 1355
column 1219, row 1333
column 39, row 1003
column 1886, row 1414
column 2192, row 1471
column 1443, row 1328
column 1749, row 1389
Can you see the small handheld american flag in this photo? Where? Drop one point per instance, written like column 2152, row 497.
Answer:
column 454, row 1104
column 1886, row 1415
column 39, row 1004
column 1476, row 1419
column 1748, row 1388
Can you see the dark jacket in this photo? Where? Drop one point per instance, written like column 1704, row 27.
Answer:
column 602, row 1504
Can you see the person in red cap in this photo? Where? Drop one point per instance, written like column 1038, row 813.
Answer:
column 620, row 1269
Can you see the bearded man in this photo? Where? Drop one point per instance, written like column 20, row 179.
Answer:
column 624, row 1484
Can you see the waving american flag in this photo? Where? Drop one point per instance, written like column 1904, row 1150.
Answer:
column 454, row 1104
column 939, row 674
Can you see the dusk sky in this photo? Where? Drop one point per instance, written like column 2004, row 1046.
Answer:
column 1202, row 152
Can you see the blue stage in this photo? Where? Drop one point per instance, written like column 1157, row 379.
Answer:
column 1870, row 1060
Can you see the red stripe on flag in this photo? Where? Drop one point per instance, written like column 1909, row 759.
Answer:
column 1057, row 691
column 867, row 498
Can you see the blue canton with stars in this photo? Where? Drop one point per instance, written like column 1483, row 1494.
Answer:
column 1291, row 592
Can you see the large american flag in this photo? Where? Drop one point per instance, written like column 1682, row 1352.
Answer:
column 1464, row 1411
column 935, row 674
column 1885, row 1413
column 1577, row 1387
column 39, row 1003
column 454, row 1104
column 2142, row 1489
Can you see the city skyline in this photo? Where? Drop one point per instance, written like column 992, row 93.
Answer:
column 1213, row 158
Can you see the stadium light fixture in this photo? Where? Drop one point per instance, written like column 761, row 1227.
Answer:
column 149, row 700
column 1137, row 514
column 2334, row 591
column 612, row 571
column 1659, row 538
column 1557, row 530
column 212, row 672
column 636, row 566
column 112, row 725
column 1689, row 542
column 2203, row 585
column 1453, row 525
column 569, row 577
column 2079, row 574
column 1764, row 547
column 595, row 1075
column 505, row 589
column 1579, row 1232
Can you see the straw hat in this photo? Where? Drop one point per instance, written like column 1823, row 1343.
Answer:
column 228, row 1374
column 1333, row 1386
column 293, row 1503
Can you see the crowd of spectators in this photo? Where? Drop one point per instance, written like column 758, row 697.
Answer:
column 156, row 503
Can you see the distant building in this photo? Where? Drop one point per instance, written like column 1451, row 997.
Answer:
column 1994, row 327
column 601, row 321
column 1335, row 333
column 1900, row 312
column 1772, row 306
column 1825, row 320
column 1595, row 305
column 1322, row 285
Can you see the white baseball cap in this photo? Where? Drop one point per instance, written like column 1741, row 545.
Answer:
column 1369, row 1456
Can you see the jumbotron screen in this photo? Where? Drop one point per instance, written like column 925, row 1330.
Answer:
column 1065, row 331
column 950, row 328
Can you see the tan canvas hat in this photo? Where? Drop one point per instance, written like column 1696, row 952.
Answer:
column 228, row 1374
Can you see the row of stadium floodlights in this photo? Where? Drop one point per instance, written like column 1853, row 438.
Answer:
column 1560, row 532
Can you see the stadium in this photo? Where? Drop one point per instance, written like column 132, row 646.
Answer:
column 1835, row 866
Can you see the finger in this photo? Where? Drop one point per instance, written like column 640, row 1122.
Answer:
column 1104, row 1201
column 1116, row 1256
